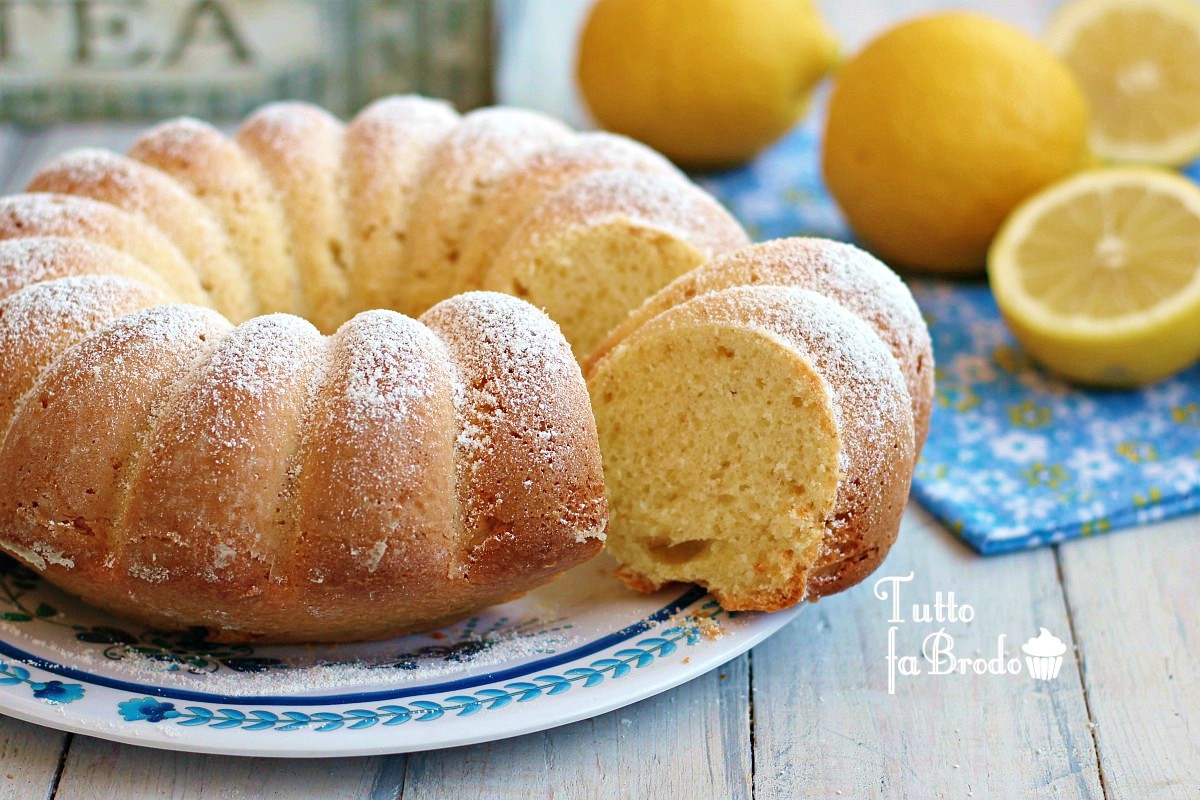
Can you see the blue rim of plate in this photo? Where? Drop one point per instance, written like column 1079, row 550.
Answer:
column 688, row 598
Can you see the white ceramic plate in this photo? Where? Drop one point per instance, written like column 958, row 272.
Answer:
column 579, row 647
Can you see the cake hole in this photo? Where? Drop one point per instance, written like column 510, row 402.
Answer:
column 667, row 553
column 489, row 527
column 335, row 252
column 80, row 524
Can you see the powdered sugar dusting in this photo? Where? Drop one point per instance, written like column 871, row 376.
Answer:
column 525, row 422
column 68, row 216
column 390, row 361
column 650, row 199
column 248, row 372
column 42, row 214
column 591, row 152
column 37, row 315
column 411, row 660
column 490, row 141
column 286, row 125
column 462, row 172
column 842, row 272
column 24, row 262
column 180, row 138
column 388, row 123
column 546, row 172
column 94, row 169
column 39, row 554
column 39, row 321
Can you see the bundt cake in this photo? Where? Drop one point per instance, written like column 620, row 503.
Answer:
column 269, row 483
column 202, row 423
column 760, row 418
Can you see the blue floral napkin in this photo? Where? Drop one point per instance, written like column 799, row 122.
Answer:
column 1015, row 458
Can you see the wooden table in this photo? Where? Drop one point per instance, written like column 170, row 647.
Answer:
column 806, row 714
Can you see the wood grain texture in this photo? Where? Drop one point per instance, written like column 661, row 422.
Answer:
column 692, row 742
column 99, row 770
column 826, row 725
column 1136, row 611
column 29, row 759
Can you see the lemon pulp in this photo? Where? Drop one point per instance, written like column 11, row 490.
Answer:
column 1138, row 62
column 1099, row 275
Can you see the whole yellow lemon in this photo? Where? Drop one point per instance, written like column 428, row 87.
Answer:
column 941, row 127
column 709, row 83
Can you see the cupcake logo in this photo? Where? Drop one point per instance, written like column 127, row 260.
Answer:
column 1044, row 655
column 921, row 640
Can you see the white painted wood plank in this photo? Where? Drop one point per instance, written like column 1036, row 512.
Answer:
column 1136, row 610
column 99, row 770
column 825, row 724
column 29, row 758
column 692, row 742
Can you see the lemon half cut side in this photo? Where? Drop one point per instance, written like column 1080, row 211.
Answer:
column 1138, row 62
column 1099, row 275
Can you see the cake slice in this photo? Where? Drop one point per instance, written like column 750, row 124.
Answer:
column 757, row 441
column 842, row 272
column 592, row 252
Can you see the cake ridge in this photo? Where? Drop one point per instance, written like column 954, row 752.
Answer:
column 298, row 146
column 93, row 298
column 162, row 202
column 388, row 146
column 43, row 214
column 233, row 186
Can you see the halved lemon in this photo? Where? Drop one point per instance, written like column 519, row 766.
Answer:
column 1138, row 62
column 1099, row 275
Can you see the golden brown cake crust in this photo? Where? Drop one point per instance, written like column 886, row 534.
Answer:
column 227, row 180
column 468, row 442
column 299, row 148
column 159, row 200
column 460, row 175
column 841, row 272
column 26, row 216
column 360, row 476
column 527, row 461
column 546, row 173
column 387, row 147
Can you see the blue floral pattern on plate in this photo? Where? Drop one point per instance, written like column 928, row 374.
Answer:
column 52, row 691
column 1015, row 458
column 618, row 665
